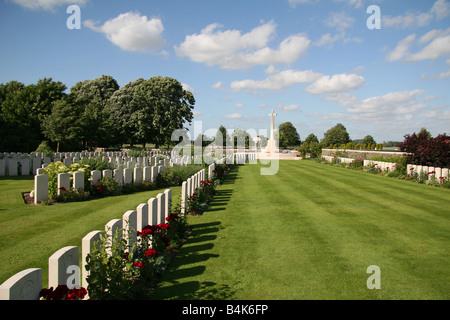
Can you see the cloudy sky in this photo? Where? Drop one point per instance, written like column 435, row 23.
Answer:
column 315, row 62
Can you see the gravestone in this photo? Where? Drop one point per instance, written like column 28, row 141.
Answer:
column 152, row 211
column 96, row 176
column 58, row 264
column 24, row 285
column 161, row 198
column 113, row 226
column 2, row 167
column 183, row 197
column 107, row 173
column 127, row 176
column 154, row 173
column 137, row 177
column 25, row 166
column 142, row 216
column 87, row 244
column 63, row 182
column 78, row 180
column 40, row 188
column 12, row 167
column 118, row 175
column 167, row 204
column 130, row 227
column 147, row 173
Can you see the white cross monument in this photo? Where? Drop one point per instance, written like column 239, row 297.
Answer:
column 271, row 146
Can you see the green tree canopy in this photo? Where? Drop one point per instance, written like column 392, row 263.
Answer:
column 368, row 140
column 63, row 124
column 288, row 135
column 336, row 135
column 93, row 96
column 22, row 109
column 311, row 138
column 164, row 106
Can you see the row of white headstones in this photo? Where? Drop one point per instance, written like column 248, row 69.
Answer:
column 63, row 265
column 13, row 164
column 390, row 166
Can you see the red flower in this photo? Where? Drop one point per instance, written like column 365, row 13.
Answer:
column 62, row 188
column 202, row 182
column 138, row 264
column 100, row 189
column 151, row 253
column 172, row 217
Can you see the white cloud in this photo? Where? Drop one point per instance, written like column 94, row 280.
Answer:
column 394, row 106
column 277, row 81
column 197, row 113
column 343, row 99
column 287, row 108
column 336, row 84
column 439, row 11
column 239, row 105
column 232, row 50
column 340, row 20
column 402, row 49
column 47, row 4
column 132, row 32
column 188, row 87
column 438, row 47
column 233, row 116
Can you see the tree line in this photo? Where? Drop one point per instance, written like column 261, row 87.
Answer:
column 95, row 113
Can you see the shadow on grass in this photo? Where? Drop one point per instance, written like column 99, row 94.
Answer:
column 197, row 250
column 194, row 252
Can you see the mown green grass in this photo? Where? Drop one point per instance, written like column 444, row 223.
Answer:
column 310, row 232
column 30, row 234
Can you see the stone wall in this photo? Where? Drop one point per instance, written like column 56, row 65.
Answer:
column 365, row 154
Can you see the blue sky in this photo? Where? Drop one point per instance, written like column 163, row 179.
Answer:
column 315, row 62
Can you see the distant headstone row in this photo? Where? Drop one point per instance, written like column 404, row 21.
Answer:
column 14, row 164
column 390, row 166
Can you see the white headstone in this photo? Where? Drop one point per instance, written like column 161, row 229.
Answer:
column 63, row 182
column 24, row 285
column 130, row 226
column 118, row 175
column 167, row 204
column 152, row 211
column 87, row 244
column 78, row 180
column 137, row 177
column 40, row 188
column 161, row 198
column 58, row 264
column 127, row 176
column 96, row 176
column 142, row 216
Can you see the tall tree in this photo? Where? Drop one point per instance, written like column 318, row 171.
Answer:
column 63, row 126
column 164, row 107
column 311, row 138
column 368, row 140
column 336, row 135
column 124, row 111
column 93, row 96
column 22, row 110
column 288, row 135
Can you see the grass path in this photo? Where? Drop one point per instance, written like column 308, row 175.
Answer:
column 29, row 235
column 310, row 232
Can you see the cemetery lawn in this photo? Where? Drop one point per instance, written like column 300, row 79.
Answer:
column 310, row 232
column 30, row 234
